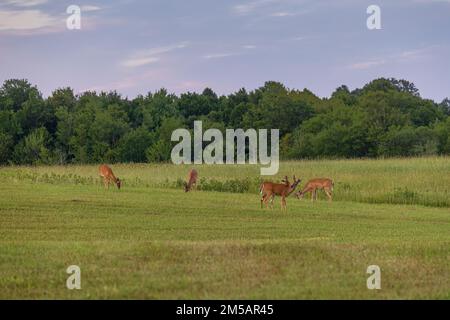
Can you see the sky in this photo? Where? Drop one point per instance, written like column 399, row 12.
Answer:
column 137, row 46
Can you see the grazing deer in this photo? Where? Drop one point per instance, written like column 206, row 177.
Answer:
column 269, row 190
column 108, row 176
column 192, row 180
column 317, row 184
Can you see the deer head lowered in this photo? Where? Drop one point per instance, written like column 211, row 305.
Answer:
column 314, row 185
column 191, row 180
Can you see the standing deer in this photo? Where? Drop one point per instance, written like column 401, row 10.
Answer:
column 192, row 180
column 108, row 176
column 317, row 184
column 269, row 190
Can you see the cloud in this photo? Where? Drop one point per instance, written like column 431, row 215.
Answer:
column 432, row 1
column 403, row 56
column 20, row 17
column 148, row 56
column 412, row 54
column 282, row 14
column 241, row 50
column 28, row 20
column 271, row 8
column 367, row 64
column 89, row 8
column 163, row 49
column 219, row 55
column 249, row 7
column 25, row 3
column 137, row 62
column 34, row 21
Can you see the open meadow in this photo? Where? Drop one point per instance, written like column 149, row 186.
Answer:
column 151, row 240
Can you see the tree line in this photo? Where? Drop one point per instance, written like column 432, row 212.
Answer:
column 385, row 118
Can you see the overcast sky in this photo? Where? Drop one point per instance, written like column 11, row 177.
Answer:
column 137, row 46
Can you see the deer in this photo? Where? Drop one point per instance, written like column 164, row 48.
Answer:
column 317, row 184
column 108, row 176
column 192, row 180
column 284, row 181
column 269, row 190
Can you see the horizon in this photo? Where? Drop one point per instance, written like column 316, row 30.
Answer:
column 200, row 91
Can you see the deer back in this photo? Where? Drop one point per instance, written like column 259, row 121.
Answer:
column 319, row 183
column 106, row 172
column 276, row 188
column 192, row 177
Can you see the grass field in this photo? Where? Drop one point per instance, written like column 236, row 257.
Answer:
column 152, row 240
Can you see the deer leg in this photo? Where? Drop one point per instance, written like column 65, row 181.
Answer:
column 266, row 198
column 262, row 199
column 328, row 192
column 272, row 197
column 283, row 203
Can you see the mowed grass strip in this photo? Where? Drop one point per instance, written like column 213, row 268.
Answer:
column 163, row 243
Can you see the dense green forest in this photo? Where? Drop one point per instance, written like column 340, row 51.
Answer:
column 387, row 117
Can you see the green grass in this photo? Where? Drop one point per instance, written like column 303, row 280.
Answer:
column 421, row 181
column 151, row 240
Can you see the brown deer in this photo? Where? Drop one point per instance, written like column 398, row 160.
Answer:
column 317, row 184
column 108, row 176
column 192, row 180
column 269, row 190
